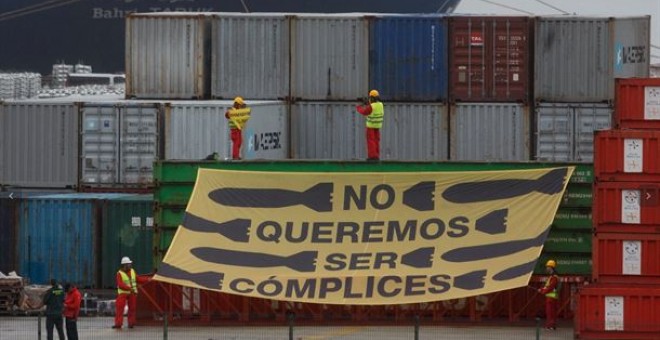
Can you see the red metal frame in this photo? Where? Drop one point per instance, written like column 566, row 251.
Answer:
column 608, row 258
column 609, row 155
column 629, row 104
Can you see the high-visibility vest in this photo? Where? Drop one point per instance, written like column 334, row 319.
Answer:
column 553, row 293
column 131, row 282
column 375, row 119
column 238, row 117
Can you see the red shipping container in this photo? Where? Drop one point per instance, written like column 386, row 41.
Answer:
column 637, row 103
column 489, row 58
column 627, row 155
column 618, row 312
column 626, row 207
column 626, row 258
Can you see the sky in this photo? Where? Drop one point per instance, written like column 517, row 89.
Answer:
column 578, row 7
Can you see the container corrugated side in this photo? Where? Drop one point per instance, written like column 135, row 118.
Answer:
column 627, row 155
column 637, row 102
column 577, row 58
column 38, row 144
column 119, row 143
column 623, row 258
column 332, row 130
column 194, row 130
column 489, row 132
column 618, row 312
column 564, row 131
column 58, row 237
column 127, row 227
column 490, row 58
column 568, row 241
column 250, row 56
column 168, row 56
column 408, row 57
column 329, row 57
column 627, row 207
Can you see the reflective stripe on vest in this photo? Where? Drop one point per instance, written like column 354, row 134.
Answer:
column 242, row 116
column 132, row 282
column 375, row 119
column 553, row 293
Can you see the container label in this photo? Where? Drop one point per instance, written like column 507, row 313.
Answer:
column 136, row 221
column 614, row 313
column 150, row 222
column 632, row 257
column 476, row 39
column 632, row 155
column 652, row 102
column 630, row 209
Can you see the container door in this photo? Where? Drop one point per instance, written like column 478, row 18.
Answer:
column 554, row 133
column 100, row 149
column 139, row 142
column 589, row 118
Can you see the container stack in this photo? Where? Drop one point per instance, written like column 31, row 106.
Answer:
column 489, row 88
column 576, row 62
column 625, row 301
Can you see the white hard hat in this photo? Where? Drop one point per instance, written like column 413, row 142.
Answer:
column 126, row 260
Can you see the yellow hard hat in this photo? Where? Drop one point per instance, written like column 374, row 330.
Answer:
column 551, row 263
column 373, row 93
column 239, row 101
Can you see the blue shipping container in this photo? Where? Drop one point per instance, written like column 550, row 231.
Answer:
column 408, row 57
column 58, row 238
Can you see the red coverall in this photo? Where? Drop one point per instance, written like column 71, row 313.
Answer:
column 373, row 135
column 551, row 304
column 122, row 299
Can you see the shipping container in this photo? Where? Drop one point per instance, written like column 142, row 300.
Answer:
column 637, row 102
column 627, row 155
column 624, row 258
column 192, row 130
column 489, row 132
column 408, row 57
column 127, row 228
column 250, row 56
column 577, row 196
column 119, row 143
column 334, row 130
column 8, row 239
column 568, row 241
column 578, row 58
column 567, row 263
column 168, row 55
column 564, row 131
column 490, row 58
column 618, row 312
column 329, row 56
column 174, row 181
column 39, row 146
column 573, row 219
column 626, row 207
column 58, row 237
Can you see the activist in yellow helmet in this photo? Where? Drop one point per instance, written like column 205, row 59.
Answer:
column 237, row 116
column 374, row 93
column 374, row 112
column 551, row 292
column 551, row 263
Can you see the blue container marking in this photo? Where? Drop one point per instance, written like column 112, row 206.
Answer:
column 408, row 57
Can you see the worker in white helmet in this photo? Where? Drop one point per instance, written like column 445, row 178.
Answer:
column 127, row 290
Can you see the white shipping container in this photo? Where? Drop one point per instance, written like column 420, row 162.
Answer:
column 168, row 55
column 334, row 130
column 194, row 130
column 329, row 56
column 250, row 56
column 489, row 132
column 565, row 131
column 38, row 144
column 119, row 143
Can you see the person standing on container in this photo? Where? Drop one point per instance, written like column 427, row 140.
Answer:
column 551, row 292
column 71, row 310
column 54, row 300
column 127, row 290
column 374, row 112
column 237, row 116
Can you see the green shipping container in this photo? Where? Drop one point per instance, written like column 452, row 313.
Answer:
column 577, row 196
column 567, row 264
column 127, row 229
column 573, row 219
column 174, row 182
column 568, row 242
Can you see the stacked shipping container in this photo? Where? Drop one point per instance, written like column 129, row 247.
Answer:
column 626, row 210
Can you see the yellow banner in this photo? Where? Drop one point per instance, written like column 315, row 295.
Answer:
column 239, row 117
column 363, row 238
